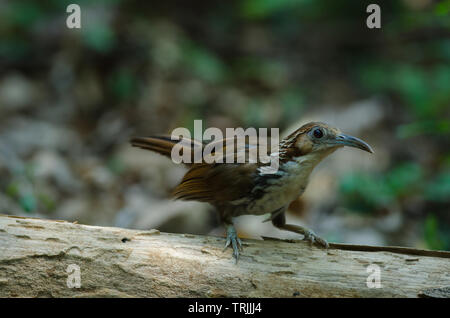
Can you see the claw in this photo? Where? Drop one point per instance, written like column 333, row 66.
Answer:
column 313, row 238
column 234, row 241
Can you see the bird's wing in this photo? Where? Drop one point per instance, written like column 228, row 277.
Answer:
column 164, row 145
column 210, row 182
column 217, row 183
column 220, row 182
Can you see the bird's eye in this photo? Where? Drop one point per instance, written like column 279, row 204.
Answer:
column 318, row 133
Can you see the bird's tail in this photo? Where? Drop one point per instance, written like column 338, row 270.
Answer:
column 164, row 145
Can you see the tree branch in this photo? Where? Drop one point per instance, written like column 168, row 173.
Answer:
column 35, row 255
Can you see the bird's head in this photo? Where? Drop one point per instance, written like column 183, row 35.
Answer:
column 321, row 139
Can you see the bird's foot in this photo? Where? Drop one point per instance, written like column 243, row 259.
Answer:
column 234, row 241
column 311, row 237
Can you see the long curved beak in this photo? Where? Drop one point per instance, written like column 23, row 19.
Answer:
column 346, row 140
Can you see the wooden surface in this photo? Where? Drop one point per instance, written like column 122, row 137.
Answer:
column 36, row 254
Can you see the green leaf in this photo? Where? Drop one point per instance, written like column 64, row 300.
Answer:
column 439, row 189
column 258, row 9
column 203, row 63
column 404, row 179
column 431, row 233
column 425, row 127
column 122, row 83
column 28, row 202
column 442, row 8
column 99, row 37
column 24, row 13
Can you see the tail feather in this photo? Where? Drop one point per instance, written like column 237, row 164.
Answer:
column 164, row 144
column 159, row 144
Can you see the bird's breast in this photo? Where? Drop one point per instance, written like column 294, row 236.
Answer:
column 276, row 191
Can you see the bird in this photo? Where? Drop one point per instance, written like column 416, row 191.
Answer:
column 236, row 189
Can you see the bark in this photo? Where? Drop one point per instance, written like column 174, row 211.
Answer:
column 40, row 258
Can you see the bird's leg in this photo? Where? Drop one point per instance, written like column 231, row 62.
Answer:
column 233, row 240
column 280, row 222
column 275, row 213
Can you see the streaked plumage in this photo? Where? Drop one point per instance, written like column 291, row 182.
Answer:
column 244, row 188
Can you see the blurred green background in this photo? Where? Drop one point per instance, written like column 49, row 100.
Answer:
column 71, row 98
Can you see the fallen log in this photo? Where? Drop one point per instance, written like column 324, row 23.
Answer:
column 47, row 258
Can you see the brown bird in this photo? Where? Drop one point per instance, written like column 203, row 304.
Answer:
column 244, row 188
